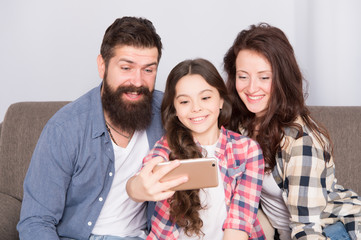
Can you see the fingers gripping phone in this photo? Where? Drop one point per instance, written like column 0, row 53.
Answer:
column 201, row 172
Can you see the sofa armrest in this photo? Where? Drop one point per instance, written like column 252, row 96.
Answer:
column 9, row 217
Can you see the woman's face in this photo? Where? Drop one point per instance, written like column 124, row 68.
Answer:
column 197, row 106
column 253, row 80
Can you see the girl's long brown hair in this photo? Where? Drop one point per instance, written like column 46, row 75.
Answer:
column 287, row 100
column 185, row 205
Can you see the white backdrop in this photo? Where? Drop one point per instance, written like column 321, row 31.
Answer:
column 48, row 48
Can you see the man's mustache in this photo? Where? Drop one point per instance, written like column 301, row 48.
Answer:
column 139, row 90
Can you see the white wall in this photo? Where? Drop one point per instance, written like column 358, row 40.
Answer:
column 48, row 49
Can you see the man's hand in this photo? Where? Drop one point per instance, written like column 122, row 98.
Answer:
column 146, row 186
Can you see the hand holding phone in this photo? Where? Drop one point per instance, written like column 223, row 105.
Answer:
column 201, row 173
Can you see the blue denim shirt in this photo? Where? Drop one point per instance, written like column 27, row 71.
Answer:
column 72, row 170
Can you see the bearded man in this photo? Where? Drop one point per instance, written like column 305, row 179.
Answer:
column 75, row 187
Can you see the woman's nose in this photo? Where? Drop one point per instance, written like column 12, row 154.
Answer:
column 253, row 86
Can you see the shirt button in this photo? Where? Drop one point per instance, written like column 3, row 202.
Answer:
column 110, row 174
column 100, row 199
column 90, row 223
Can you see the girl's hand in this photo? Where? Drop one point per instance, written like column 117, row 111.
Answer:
column 146, row 185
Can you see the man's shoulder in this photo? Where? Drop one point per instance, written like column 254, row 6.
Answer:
column 79, row 108
column 157, row 98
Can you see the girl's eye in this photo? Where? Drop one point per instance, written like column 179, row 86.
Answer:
column 183, row 102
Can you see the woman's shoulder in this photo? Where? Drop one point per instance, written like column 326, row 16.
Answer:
column 295, row 141
column 294, row 134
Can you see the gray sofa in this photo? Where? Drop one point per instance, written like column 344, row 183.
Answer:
column 24, row 121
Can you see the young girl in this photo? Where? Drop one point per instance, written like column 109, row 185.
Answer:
column 299, row 195
column 194, row 108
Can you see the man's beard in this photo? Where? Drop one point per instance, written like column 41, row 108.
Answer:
column 126, row 115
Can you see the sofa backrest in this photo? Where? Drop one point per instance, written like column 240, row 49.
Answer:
column 344, row 126
column 21, row 128
column 24, row 122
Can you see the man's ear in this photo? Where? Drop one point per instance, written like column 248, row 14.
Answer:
column 101, row 66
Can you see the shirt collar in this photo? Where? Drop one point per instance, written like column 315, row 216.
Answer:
column 97, row 112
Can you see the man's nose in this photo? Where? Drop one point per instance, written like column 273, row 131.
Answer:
column 136, row 78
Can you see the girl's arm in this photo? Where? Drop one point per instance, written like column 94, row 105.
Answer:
column 162, row 226
column 231, row 234
column 146, row 185
column 249, row 170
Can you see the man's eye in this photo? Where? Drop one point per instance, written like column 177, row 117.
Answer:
column 148, row 70
column 125, row 68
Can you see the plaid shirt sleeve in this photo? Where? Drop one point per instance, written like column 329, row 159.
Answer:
column 162, row 227
column 245, row 171
column 160, row 148
column 305, row 183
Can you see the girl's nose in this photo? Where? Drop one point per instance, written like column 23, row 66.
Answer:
column 196, row 107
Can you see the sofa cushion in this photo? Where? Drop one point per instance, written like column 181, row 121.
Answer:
column 10, row 213
column 21, row 129
column 344, row 126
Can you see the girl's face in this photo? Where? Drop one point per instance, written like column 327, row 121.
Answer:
column 197, row 106
column 253, row 80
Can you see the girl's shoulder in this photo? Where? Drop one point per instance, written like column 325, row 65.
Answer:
column 237, row 138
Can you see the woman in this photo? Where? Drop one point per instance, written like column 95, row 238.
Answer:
column 299, row 195
column 194, row 109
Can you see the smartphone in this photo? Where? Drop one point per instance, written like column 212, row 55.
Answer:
column 201, row 172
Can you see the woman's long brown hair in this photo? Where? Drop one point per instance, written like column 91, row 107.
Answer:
column 287, row 99
column 185, row 205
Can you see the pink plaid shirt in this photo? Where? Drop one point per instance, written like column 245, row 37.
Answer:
column 242, row 167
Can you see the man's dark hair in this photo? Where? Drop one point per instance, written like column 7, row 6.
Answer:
column 130, row 31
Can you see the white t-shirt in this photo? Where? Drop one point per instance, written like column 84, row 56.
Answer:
column 215, row 212
column 120, row 215
column 274, row 207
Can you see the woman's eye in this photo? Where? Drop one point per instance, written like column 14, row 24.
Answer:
column 183, row 102
column 242, row 77
column 265, row 78
column 205, row 98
